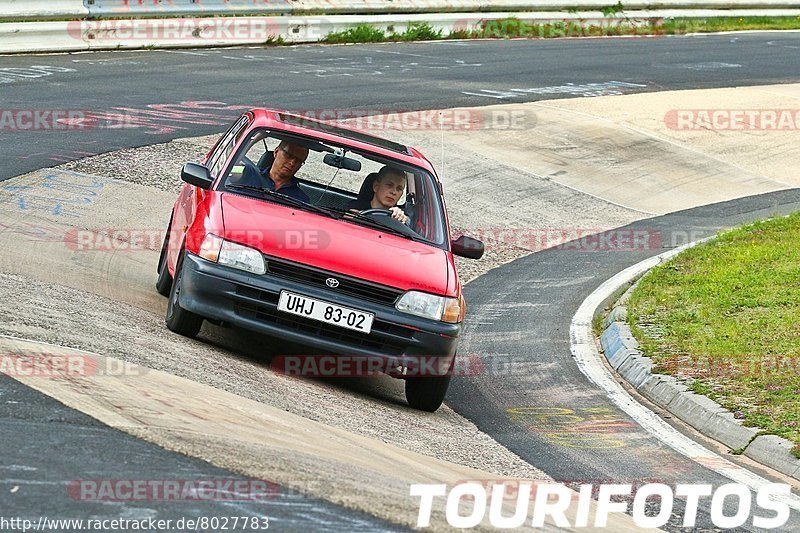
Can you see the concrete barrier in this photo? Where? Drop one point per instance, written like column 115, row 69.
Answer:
column 130, row 32
column 38, row 37
column 134, row 33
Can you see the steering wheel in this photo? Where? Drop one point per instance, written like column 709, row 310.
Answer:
column 377, row 211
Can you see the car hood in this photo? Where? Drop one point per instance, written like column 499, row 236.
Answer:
column 337, row 246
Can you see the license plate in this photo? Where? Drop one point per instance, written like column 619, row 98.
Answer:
column 329, row 313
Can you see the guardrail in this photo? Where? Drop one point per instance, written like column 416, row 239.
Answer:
column 190, row 32
column 18, row 10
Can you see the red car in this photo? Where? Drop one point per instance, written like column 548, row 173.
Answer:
column 278, row 232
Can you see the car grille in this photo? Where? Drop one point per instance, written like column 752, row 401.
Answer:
column 314, row 277
column 385, row 338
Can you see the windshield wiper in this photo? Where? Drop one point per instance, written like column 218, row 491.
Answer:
column 285, row 199
column 375, row 223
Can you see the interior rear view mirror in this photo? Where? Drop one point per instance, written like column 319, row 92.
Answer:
column 340, row 161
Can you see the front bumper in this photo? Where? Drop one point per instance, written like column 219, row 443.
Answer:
column 250, row 301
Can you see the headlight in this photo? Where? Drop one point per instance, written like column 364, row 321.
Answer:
column 431, row 306
column 233, row 255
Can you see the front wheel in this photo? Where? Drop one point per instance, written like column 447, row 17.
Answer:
column 427, row 393
column 179, row 319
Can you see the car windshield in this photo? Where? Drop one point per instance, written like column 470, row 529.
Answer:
column 341, row 181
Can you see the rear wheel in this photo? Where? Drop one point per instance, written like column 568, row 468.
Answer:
column 179, row 319
column 427, row 393
column 164, row 281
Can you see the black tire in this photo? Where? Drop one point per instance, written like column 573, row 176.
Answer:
column 179, row 319
column 164, row 281
column 427, row 393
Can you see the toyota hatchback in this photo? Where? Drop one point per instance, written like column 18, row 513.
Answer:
column 324, row 236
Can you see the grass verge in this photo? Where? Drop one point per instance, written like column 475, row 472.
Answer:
column 725, row 316
column 692, row 25
column 616, row 25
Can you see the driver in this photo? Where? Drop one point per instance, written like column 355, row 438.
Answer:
column 387, row 189
column 280, row 176
column 288, row 160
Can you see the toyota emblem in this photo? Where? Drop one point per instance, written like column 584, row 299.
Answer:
column 332, row 283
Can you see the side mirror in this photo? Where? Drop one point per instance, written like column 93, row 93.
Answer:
column 468, row 247
column 197, row 175
column 340, row 161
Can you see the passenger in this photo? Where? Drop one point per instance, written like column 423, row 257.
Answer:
column 387, row 189
column 288, row 158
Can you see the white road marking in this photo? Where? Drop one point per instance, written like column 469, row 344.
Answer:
column 488, row 93
column 186, row 52
column 704, row 66
column 588, row 359
column 586, row 89
column 12, row 74
column 118, row 60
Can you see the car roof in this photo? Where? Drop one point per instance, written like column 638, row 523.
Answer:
column 291, row 123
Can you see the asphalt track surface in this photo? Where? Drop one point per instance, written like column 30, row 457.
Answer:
column 532, row 397
column 542, row 291
column 49, row 449
column 152, row 86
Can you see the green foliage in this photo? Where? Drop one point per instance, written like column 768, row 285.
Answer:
column 363, row 33
column 275, row 40
column 461, row 34
column 419, row 31
column 597, row 323
column 612, row 10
